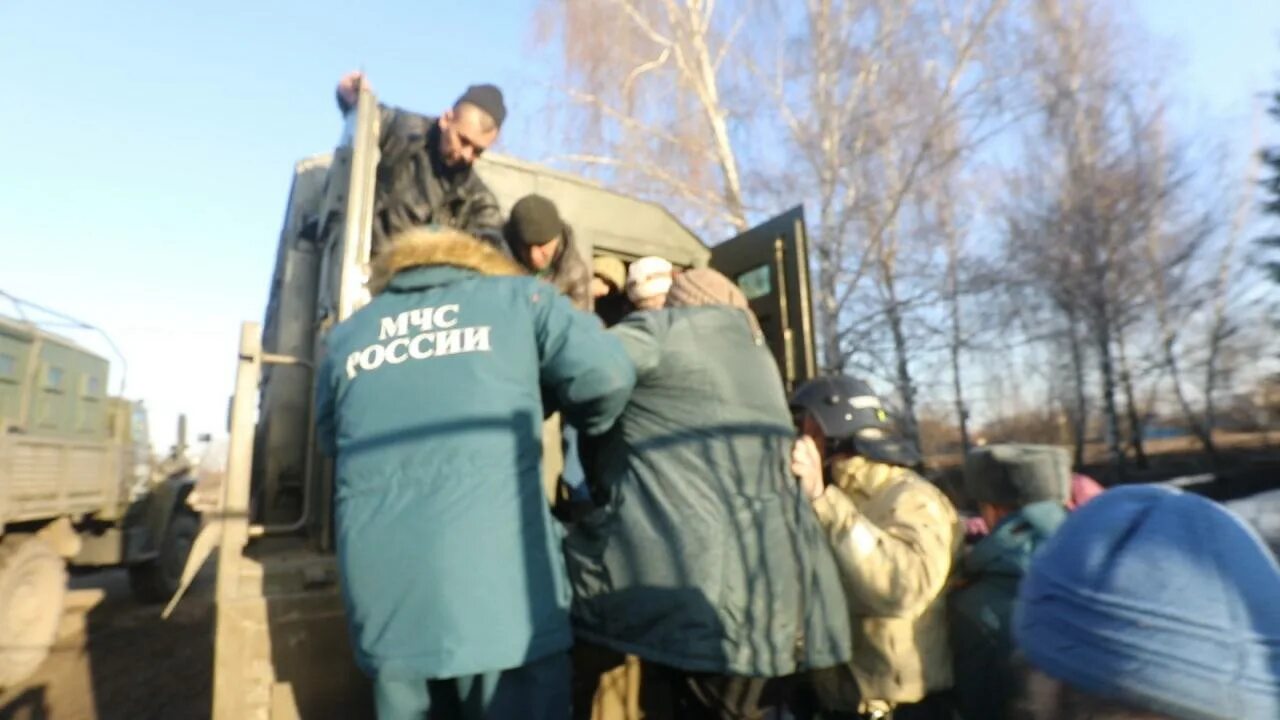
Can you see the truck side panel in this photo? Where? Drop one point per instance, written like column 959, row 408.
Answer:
column 289, row 329
column 44, row 478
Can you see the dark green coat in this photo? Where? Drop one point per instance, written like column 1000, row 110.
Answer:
column 705, row 555
column 981, row 609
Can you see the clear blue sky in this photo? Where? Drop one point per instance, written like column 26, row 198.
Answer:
column 147, row 146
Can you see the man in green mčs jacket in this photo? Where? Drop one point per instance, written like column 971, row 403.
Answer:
column 429, row 399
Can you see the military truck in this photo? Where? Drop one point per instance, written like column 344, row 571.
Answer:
column 77, row 486
column 282, row 649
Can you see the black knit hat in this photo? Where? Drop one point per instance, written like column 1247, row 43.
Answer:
column 534, row 221
column 488, row 98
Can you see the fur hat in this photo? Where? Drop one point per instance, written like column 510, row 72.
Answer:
column 1016, row 474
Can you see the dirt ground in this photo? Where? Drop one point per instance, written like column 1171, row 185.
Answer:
column 116, row 660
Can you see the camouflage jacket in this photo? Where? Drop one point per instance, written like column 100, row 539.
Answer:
column 895, row 537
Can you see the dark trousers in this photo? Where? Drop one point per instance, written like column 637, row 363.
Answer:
column 936, row 706
column 536, row 691
column 832, row 694
column 667, row 692
column 707, row 696
column 590, row 664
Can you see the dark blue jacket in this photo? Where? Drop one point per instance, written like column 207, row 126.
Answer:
column 429, row 397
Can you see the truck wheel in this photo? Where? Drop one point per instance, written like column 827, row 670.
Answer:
column 33, row 584
column 156, row 580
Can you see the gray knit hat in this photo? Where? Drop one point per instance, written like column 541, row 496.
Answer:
column 1015, row 475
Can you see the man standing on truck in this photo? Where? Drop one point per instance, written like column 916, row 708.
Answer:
column 429, row 398
column 425, row 173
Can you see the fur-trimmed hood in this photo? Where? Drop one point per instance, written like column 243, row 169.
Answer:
column 423, row 247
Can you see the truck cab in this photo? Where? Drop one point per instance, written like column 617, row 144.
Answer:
column 281, row 649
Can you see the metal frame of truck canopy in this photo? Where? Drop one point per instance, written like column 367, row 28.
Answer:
column 36, row 339
column 282, row 649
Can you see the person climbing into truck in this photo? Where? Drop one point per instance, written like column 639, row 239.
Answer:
column 431, row 400
column 425, row 174
column 703, row 558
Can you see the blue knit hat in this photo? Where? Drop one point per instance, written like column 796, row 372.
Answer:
column 1159, row 599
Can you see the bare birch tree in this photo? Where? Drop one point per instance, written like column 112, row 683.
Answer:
column 876, row 113
column 844, row 99
column 653, row 85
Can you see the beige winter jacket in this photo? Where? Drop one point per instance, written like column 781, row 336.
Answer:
column 895, row 537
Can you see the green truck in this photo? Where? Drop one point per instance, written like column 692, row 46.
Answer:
column 77, row 486
column 281, row 650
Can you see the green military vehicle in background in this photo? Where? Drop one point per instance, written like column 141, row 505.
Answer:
column 281, row 650
column 77, row 486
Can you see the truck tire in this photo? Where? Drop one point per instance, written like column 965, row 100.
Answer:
column 156, row 580
column 33, row 585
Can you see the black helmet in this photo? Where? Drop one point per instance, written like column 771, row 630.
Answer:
column 853, row 420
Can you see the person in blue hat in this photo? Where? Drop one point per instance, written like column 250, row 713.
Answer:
column 1151, row 603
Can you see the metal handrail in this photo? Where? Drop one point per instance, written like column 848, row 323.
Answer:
column 69, row 321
